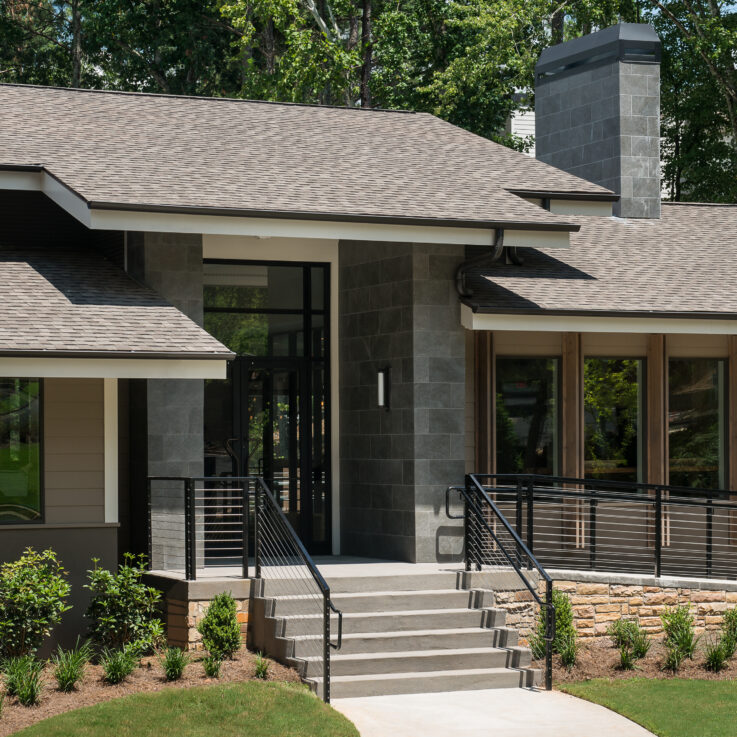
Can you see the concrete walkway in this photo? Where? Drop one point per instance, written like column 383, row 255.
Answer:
column 506, row 712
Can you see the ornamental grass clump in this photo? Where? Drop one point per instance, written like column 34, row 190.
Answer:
column 33, row 590
column 117, row 665
column 211, row 666
column 262, row 667
column 627, row 657
column 716, row 655
column 19, row 673
column 123, row 611
column 174, row 662
column 728, row 636
column 678, row 624
column 623, row 632
column 221, row 633
column 69, row 665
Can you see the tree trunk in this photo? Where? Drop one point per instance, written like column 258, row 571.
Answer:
column 76, row 44
column 367, row 48
column 557, row 23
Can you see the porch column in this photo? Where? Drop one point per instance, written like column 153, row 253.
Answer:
column 572, row 406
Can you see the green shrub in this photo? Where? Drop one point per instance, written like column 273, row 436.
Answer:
column 33, row 590
column 641, row 644
column 623, row 632
column 716, row 656
column 212, row 665
column 69, row 665
column 174, row 663
column 17, row 672
column 123, row 611
column 221, row 633
column 673, row 657
column 729, row 631
column 565, row 632
column 729, row 643
column 627, row 657
column 678, row 623
column 117, row 665
column 262, row 666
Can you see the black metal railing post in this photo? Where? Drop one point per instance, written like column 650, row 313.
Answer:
column 592, row 531
column 149, row 524
column 190, row 542
column 549, row 634
column 467, row 526
column 658, row 532
column 326, row 651
column 518, row 519
column 530, row 519
column 245, row 522
column 257, row 529
column 709, row 536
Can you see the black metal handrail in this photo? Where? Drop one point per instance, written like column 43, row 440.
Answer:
column 272, row 550
column 629, row 527
column 480, row 510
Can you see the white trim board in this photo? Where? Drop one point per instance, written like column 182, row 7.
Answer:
column 111, row 449
column 594, row 324
column 113, row 368
column 162, row 222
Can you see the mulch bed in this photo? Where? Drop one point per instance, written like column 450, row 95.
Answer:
column 149, row 677
column 600, row 659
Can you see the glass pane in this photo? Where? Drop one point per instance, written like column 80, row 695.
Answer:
column 613, row 419
column 20, row 452
column 317, row 287
column 219, row 427
column 696, row 422
column 257, row 335
column 253, row 286
column 527, row 415
column 320, row 459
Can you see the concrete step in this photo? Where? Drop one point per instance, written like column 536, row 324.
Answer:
column 417, row 661
column 403, row 641
column 430, row 619
column 468, row 679
column 414, row 582
column 386, row 601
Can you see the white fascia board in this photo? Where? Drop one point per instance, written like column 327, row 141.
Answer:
column 113, row 368
column 594, row 324
column 537, row 238
column 581, row 207
column 25, row 180
column 66, row 199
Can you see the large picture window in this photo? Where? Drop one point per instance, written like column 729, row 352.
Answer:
column 613, row 419
column 20, row 450
column 527, row 415
column 696, row 422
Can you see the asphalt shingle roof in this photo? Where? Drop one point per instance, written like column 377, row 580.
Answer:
column 684, row 263
column 137, row 150
column 77, row 303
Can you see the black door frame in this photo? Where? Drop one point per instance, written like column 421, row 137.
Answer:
column 304, row 366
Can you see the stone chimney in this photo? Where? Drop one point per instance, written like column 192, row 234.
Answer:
column 597, row 113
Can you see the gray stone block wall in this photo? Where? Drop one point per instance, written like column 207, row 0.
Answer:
column 171, row 264
column 399, row 309
column 603, row 124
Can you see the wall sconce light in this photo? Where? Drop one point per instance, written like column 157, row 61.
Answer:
column 383, row 385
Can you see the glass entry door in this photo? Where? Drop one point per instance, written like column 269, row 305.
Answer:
column 270, row 417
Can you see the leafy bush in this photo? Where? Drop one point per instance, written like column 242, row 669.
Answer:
column 17, row 670
column 123, row 611
column 212, row 666
column 33, row 590
column 678, row 623
column 641, row 644
column 117, row 665
column 627, row 657
column 221, row 633
column 174, row 663
column 729, row 632
column 565, row 632
column 262, row 666
column 623, row 632
column 716, row 656
column 69, row 665
column 729, row 643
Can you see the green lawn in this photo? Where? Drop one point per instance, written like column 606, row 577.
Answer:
column 669, row 708
column 249, row 709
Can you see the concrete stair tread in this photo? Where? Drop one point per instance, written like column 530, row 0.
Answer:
column 420, row 675
column 403, row 633
column 460, row 652
column 373, row 594
column 403, row 612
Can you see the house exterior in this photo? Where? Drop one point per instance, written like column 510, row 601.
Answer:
column 211, row 287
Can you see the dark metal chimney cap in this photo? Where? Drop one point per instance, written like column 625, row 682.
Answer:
column 631, row 42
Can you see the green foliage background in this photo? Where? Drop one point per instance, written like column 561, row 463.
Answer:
column 467, row 61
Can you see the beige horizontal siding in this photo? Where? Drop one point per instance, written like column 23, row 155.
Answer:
column 514, row 343
column 696, row 346
column 614, row 345
column 74, row 459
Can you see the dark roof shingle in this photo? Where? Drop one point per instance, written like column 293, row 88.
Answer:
column 77, row 303
column 162, row 151
column 684, row 263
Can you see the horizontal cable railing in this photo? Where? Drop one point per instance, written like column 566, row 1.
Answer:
column 286, row 570
column 490, row 541
column 617, row 526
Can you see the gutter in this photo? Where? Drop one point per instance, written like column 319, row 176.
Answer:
column 229, row 356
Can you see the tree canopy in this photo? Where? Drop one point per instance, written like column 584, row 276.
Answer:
column 466, row 61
